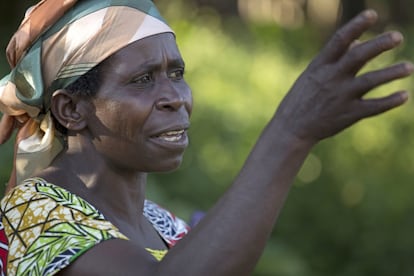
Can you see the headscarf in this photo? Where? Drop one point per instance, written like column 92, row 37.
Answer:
column 57, row 42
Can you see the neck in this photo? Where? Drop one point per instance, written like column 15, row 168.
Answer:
column 118, row 193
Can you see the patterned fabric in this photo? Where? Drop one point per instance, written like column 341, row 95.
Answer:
column 170, row 228
column 57, row 42
column 4, row 248
column 45, row 227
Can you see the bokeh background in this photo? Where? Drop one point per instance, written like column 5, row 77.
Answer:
column 350, row 210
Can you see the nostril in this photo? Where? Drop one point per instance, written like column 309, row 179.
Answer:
column 169, row 105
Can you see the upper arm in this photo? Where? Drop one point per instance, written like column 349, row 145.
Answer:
column 113, row 257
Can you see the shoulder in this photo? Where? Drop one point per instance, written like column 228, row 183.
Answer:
column 47, row 227
column 130, row 259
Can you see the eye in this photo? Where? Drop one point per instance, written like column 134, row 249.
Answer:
column 143, row 79
column 176, row 74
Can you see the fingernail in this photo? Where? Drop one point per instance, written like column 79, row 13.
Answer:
column 409, row 67
column 397, row 37
column 371, row 14
column 404, row 96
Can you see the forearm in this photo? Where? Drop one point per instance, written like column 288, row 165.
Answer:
column 327, row 98
column 244, row 217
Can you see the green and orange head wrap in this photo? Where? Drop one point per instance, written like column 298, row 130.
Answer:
column 57, row 42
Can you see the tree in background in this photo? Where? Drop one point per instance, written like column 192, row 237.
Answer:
column 396, row 11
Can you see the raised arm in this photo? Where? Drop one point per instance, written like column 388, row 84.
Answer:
column 326, row 98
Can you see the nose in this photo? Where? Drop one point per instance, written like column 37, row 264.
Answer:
column 174, row 98
column 170, row 104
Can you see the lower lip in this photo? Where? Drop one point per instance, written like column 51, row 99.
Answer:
column 182, row 142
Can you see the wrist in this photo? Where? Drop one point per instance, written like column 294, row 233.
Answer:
column 286, row 135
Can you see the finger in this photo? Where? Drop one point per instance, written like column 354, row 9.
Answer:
column 360, row 54
column 345, row 38
column 371, row 80
column 372, row 107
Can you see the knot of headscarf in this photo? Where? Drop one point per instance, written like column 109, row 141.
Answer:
column 57, row 42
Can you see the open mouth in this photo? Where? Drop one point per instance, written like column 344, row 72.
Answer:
column 172, row 136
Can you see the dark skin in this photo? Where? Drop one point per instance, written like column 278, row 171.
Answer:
column 117, row 136
column 325, row 99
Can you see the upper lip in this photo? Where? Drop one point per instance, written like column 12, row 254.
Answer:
column 170, row 129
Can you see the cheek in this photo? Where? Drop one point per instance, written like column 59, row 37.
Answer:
column 131, row 117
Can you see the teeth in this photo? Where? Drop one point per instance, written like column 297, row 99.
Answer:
column 172, row 133
column 172, row 136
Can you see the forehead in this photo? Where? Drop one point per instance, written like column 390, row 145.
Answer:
column 156, row 48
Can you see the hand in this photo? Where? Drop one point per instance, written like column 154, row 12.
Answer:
column 327, row 97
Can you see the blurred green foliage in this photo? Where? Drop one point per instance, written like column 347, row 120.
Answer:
column 349, row 211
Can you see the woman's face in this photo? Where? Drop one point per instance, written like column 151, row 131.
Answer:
column 143, row 106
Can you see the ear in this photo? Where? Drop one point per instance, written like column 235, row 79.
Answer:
column 69, row 110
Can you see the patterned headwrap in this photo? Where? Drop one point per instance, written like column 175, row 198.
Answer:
column 57, row 42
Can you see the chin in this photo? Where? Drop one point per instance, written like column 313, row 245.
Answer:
column 167, row 166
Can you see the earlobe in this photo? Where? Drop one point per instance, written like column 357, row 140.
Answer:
column 69, row 110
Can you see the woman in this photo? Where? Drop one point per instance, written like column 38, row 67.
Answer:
column 98, row 95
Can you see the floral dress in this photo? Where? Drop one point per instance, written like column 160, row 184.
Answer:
column 43, row 228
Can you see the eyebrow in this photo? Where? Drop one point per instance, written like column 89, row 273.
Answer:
column 177, row 62
column 152, row 64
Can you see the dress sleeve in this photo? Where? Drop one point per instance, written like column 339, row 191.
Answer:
column 171, row 228
column 48, row 227
column 4, row 248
